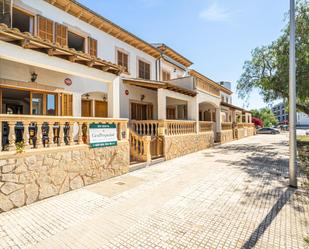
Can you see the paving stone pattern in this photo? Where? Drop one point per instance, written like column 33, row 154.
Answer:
column 232, row 196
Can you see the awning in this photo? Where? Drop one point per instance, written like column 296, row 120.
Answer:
column 154, row 85
column 234, row 107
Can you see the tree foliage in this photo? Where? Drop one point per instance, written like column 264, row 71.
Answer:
column 266, row 115
column 268, row 70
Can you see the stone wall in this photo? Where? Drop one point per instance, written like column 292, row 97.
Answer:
column 251, row 131
column 241, row 133
column 179, row 145
column 39, row 174
column 226, row 136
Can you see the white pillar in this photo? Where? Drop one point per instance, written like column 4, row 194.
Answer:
column 77, row 105
column 218, row 120
column 161, row 104
column 193, row 109
column 114, row 98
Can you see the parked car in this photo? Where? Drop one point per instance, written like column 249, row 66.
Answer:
column 266, row 130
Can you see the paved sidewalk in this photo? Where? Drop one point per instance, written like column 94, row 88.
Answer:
column 233, row 196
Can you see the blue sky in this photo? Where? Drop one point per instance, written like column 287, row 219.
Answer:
column 217, row 35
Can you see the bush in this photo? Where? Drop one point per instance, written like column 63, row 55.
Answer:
column 307, row 241
column 303, row 153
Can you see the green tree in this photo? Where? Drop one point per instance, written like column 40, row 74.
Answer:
column 266, row 115
column 268, row 70
column 256, row 113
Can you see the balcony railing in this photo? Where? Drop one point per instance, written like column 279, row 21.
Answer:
column 179, row 127
column 206, row 126
column 227, row 126
column 145, row 127
column 35, row 132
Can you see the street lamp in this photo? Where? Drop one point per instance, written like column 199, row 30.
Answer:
column 292, row 99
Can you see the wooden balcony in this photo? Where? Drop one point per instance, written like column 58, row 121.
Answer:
column 34, row 132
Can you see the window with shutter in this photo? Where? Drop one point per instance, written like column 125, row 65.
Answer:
column 166, row 76
column 45, row 29
column 6, row 12
column 123, row 60
column 143, row 70
column 92, row 47
column 61, row 34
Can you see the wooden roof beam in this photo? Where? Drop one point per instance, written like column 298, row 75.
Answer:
column 67, row 7
column 91, row 20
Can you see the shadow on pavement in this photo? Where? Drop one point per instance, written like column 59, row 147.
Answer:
column 260, row 230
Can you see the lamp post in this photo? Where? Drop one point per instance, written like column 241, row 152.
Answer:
column 292, row 99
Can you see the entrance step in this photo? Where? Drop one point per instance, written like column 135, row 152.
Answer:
column 135, row 165
column 157, row 160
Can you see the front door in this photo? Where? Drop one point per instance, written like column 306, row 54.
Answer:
column 86, row 108
column 101, row 109
column 171, row 113
column 141, row 111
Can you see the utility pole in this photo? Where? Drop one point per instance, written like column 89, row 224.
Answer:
column 292, row 99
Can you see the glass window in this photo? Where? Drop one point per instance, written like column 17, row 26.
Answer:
column 51, row 104
column 37, row 104
column 22, row 21
column 75, row 41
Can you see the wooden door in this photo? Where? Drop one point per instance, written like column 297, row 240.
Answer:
column 86, row 108
column 141, row 111
column 101, row 109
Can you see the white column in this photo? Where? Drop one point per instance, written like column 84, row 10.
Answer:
column 193, row 109
column 114, row 98
column 77, row 104
column 218, row 120
column 161, row 104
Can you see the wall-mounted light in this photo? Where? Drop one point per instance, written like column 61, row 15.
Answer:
column 34, row 77
column 104, row 98
column 87, row 96
column 142, row 97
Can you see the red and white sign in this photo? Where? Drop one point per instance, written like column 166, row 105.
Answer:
column 68, row 81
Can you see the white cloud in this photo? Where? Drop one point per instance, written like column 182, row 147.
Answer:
column 215, row 13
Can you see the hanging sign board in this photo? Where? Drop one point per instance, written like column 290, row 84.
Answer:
column 102, row 135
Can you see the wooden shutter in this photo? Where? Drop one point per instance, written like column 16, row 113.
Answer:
column 67, row 105
column 45, row 29
column 123, row 60
column 166, row 76
column 6, row 12
column 144, row 70
column 150, row 112
column 147, row 71
column 140, row 69
column 92, row 47
column 61, row 34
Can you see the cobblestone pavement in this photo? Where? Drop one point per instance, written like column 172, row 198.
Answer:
column 232, row 196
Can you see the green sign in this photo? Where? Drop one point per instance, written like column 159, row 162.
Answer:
column 102, row 135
